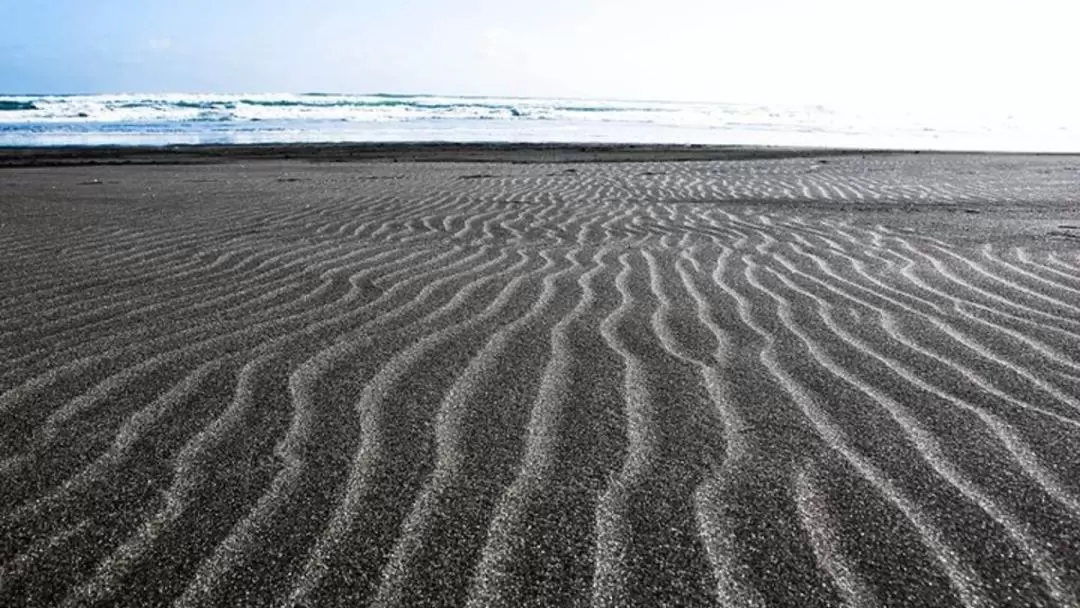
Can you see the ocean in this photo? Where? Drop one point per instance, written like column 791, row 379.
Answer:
column 164, row 119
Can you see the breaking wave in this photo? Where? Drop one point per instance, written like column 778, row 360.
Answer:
column 15, row 106
column 313, row 117
column 122, row 108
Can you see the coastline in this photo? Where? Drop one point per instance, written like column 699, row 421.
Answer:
column 429, row 152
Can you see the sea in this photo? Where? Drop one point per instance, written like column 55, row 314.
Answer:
column 185, row 118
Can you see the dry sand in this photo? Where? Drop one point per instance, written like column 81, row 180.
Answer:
column 806, row 381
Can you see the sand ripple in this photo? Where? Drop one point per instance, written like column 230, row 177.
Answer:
column 813, row 382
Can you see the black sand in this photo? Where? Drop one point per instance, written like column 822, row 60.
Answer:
column 337, row 375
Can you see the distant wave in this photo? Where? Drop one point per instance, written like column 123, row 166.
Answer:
column 195, row 118
column 318, row 106
column 15, row 106
column 387, row 95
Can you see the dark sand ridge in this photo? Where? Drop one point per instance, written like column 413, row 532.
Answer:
column 398, row 152
column 792, row 380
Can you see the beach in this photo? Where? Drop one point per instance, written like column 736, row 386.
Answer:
column 506, row 375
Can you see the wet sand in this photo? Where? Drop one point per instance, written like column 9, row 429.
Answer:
column 691, row 377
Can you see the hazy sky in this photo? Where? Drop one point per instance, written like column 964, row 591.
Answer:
column 918, row 52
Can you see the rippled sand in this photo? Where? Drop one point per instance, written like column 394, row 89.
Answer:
column 809, row 381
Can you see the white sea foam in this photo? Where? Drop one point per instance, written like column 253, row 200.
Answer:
column 193, row 118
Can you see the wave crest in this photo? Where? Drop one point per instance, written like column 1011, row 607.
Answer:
column 16, row 106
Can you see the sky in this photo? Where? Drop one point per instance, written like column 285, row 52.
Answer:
column 927, row 53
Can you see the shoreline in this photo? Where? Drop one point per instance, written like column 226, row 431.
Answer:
column 434, row 152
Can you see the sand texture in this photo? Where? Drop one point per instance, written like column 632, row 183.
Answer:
column 807, row 381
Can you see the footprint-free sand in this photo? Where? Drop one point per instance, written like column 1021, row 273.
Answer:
column 789, row 379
